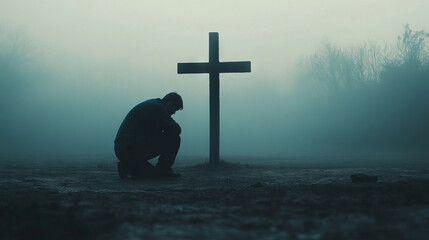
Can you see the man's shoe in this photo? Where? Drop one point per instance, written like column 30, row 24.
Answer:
column 123, row 170
column 167, row 173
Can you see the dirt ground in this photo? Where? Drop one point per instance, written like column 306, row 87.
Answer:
column 87, row 200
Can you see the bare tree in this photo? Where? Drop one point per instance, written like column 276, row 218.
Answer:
column 411, row 47
column 336, row 69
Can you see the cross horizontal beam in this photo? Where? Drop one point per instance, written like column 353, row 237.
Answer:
column 222, row 67
column 234, row 67
column 193, row 68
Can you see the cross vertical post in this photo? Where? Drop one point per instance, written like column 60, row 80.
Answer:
column 214, row 98
column 213, row 68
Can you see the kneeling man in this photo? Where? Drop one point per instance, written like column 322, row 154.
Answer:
column 149, row 131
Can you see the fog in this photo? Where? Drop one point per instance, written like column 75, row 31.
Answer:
column 328, row 77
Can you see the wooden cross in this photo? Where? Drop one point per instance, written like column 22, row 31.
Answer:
column 213, row 68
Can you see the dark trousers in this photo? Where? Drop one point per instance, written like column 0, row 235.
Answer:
column 136, row 154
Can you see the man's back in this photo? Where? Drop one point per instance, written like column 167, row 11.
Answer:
column 145, row 121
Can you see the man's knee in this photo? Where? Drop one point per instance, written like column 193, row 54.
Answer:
column 177, row 139
column 171, row 138
column 172, row 141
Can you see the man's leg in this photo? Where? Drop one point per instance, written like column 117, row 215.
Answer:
column 143, row 169
column 124, row 166
column 134, row 160
column 169, row 146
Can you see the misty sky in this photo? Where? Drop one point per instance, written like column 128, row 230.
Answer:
column 127, row 51
column 157, row 34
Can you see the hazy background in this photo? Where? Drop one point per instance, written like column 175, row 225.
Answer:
column 328, row 77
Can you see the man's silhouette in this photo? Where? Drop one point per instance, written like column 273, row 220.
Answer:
column 149, row 131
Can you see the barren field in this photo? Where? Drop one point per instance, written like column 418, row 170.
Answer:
column 78, row 199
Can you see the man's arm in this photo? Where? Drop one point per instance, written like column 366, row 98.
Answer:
column 168, row 125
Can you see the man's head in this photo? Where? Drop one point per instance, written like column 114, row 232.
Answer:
column 173, row 102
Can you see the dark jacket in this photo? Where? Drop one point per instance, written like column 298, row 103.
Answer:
column 145, row 122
